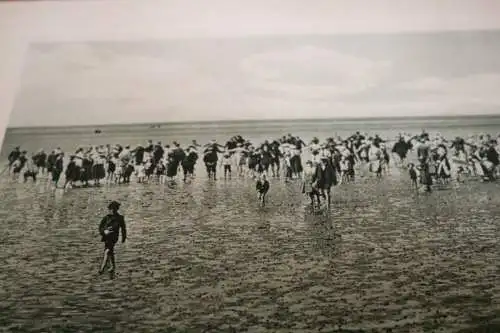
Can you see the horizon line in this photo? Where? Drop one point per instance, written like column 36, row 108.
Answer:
column 226, row 121
column 281, row 35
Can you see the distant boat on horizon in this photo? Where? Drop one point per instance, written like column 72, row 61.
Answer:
column 155, row 126
column 97, row 131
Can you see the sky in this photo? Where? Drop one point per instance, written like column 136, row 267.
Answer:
column 315, row 76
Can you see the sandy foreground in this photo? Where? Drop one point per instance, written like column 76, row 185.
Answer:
column 203, row 257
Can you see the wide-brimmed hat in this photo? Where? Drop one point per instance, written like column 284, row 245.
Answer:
column 114, row 205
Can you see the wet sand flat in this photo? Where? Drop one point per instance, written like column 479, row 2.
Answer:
column 203, row 257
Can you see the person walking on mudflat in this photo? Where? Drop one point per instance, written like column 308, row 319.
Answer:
column 109, row 229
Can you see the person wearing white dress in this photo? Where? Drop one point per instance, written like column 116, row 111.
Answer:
column 374, row 157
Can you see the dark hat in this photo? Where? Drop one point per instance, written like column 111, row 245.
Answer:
column 114, row 205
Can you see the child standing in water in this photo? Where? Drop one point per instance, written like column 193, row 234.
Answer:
column 161, row 172
column 307, row 183
column 140, row 172
column 109, row 229
column 226, row 163
column 262, row 188
column 344, row 169
column 413, row 175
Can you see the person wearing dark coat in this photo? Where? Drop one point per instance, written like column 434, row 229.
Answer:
column 72, row 172
column 158, row 153
column 110, row 228
column 172, row 165
column 189, row 163
column 51, row 160
column 57, row 169
column 324, row 178
column 13, row 156
column 139, row 155
column 210, row 158
column 401, row 148
column 41, row 161
column 425, row 176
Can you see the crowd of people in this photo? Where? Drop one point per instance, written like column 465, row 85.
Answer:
column 328, row 163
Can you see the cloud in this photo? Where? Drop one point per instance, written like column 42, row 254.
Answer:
column 313, row 73
column 85, row 83
column 481, row 89
column 81, row 78
column 429, row 84
column 77, row 72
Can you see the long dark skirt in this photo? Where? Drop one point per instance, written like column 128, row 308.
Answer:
column 296, row 163
column 252, row 164
column 73, row 173
column 98, row 171
column 84, row 175
column 188, row 168
column 211, row 167
column 172, row 169
column 30, row 174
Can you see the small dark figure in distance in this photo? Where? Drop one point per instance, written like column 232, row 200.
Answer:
column 262, row 188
